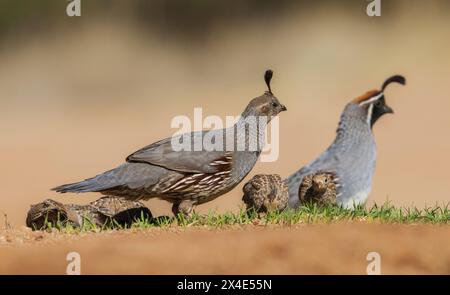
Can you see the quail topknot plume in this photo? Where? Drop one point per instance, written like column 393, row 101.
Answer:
column 319, row 188
column 265, row 192
column 351, row 157
column 109, row 211
column 267, row 78
column 187, row 178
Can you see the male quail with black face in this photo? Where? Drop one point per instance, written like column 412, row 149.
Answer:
column 319, row 188
column 189, row 177
column 265, row 192
column 352, row 155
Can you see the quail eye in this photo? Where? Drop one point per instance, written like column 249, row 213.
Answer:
column 274, row 104
column 378, row 103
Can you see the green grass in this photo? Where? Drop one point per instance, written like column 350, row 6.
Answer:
column 308, row 214
column 323, row 214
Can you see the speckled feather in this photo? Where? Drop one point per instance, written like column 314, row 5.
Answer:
column 264, row 193
column 100, row 212
column 319, row 187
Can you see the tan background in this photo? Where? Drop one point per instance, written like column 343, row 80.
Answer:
column 78, row 95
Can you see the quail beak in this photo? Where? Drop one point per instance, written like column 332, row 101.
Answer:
column 283, row 108
column 387, row 109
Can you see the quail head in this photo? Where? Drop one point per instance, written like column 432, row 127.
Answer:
column 112, row 211
column 189, row 177
column 319, row 187
column 265, row 192
column 48, row 212
column 352, row 155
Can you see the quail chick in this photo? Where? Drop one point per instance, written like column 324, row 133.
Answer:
column 265, row 192
column 186, row 177
column 319, row 187
column 107, row 210
column 48, row 211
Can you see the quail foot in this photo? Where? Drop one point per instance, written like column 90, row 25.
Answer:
column 264, row 193
column 319, row 188
column 352, row 155
column 189, row 177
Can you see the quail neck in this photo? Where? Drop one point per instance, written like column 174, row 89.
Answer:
column 355, row 152
column 249, row 133
column 353, row 130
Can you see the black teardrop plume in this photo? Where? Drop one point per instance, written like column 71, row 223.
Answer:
column 394, row 79
column 268, row 77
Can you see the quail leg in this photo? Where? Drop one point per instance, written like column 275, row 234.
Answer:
column 185, row 207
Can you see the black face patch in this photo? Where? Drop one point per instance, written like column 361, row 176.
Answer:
column 379, row 108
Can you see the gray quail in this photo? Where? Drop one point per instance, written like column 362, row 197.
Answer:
column 319, row 188
column 106, row 211
column 265, row 193
column 352, row 155
column 187, row 178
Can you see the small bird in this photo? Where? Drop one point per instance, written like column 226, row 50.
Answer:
column 352, row 155
column 319, row 188
column 104, row 211
column 111, row 210
column 46, row 212
column 187, row 178
column 265, row 193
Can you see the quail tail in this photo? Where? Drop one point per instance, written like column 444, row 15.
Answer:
column 95, row 184
column 88, row 185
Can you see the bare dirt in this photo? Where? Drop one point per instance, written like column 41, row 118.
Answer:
column 304, row 249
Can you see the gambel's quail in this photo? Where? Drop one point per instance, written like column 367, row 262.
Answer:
column 352, row 155
column 106, row 211
column 265, row 192
column 190, row 177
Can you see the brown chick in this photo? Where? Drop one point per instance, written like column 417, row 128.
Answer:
column 319, row 187
column 265, row 192
column 48, row 211
column 107, row 210
column 118, row 210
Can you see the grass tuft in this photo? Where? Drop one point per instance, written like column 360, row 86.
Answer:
column 306, row 214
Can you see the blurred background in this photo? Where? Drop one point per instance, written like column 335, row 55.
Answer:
column 79, row 94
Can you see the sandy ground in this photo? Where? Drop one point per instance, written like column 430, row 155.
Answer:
column 303, row 249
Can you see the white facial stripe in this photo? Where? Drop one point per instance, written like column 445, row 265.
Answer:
column 372, row 99
column 369, row 114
